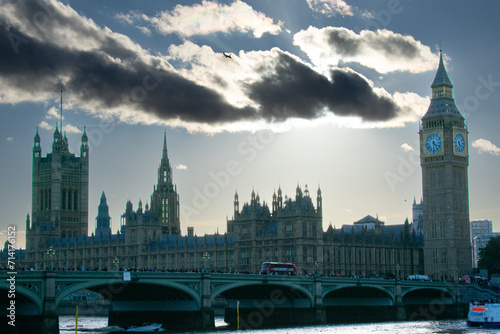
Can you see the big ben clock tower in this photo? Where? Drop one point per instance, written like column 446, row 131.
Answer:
column 444, row 159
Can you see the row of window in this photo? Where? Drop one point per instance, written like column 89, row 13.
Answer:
column 69, row 199
column 308, row 230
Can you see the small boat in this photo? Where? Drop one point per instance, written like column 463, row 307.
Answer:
column 484, row 314
column 153, row 327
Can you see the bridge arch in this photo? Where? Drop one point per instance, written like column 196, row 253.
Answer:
column 263, row 291
column 357, row 295
column 289, row 286
column 23, row 296
column 428, row 295
column 117, row 289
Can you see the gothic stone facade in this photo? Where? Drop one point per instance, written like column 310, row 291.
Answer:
column 149, row 237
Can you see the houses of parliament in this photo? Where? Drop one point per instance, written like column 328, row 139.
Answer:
column 290, row 229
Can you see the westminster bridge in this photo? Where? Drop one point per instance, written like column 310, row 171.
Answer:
column 187, row 300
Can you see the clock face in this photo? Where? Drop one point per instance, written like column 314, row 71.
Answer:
column 433, row 143
column 459, row 143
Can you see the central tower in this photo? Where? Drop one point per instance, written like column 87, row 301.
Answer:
column 444, row 159
column 165, row 200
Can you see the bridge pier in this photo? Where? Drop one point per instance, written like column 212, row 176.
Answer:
column 319, row 310
column 207, row 312
column 400, row 307
column 50, row 318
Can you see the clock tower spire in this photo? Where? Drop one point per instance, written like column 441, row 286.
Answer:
column 444, row 159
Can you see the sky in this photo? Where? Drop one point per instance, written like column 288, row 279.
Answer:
column 252, row 95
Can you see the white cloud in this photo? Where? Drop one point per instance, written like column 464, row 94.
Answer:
column 10, row 138
column 54, row 114
column 382, row 50
column 46, row 126
column 126, row 18
column 406, row 147
column 145, row 30
column 68, row 128
column 180, row 166
column 210, row 17
column 485, row 146
column 331, row 7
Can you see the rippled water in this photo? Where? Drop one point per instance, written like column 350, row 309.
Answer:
column 92, row 325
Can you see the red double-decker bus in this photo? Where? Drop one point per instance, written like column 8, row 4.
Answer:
column 278, row 268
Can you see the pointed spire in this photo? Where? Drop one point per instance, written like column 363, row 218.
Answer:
column 103, row 197
column 37, row 136
column 441, row 78
column 165, row 153
column 442, row 102
column 84, row 135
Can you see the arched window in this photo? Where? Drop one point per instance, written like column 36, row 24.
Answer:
column 63, row 200
column 69, row 199
column 41, row 199
column 75, row 201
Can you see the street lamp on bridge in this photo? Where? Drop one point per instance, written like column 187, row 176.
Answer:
column 317, row 264
column 206, row 259
column 116, row 262
column 50, row 253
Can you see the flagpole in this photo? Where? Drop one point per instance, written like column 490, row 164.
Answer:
column 61, row 114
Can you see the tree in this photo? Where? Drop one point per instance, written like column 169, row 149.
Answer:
column 489, row 256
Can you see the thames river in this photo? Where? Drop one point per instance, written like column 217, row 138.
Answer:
column 90, row 325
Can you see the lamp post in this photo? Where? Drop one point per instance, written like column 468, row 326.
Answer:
column 206, row 259
column 397, row 272
column 116, row 262
column 317, row 264
column 50, row 253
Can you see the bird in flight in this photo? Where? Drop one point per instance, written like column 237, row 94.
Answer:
column 226, row 55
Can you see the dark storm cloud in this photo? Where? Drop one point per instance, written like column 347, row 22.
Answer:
column 295, row 90
column 347, row 43
column 46, row 20
column 103, row 71
column 343, row 42
column 394, row 46
column 94, row 78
